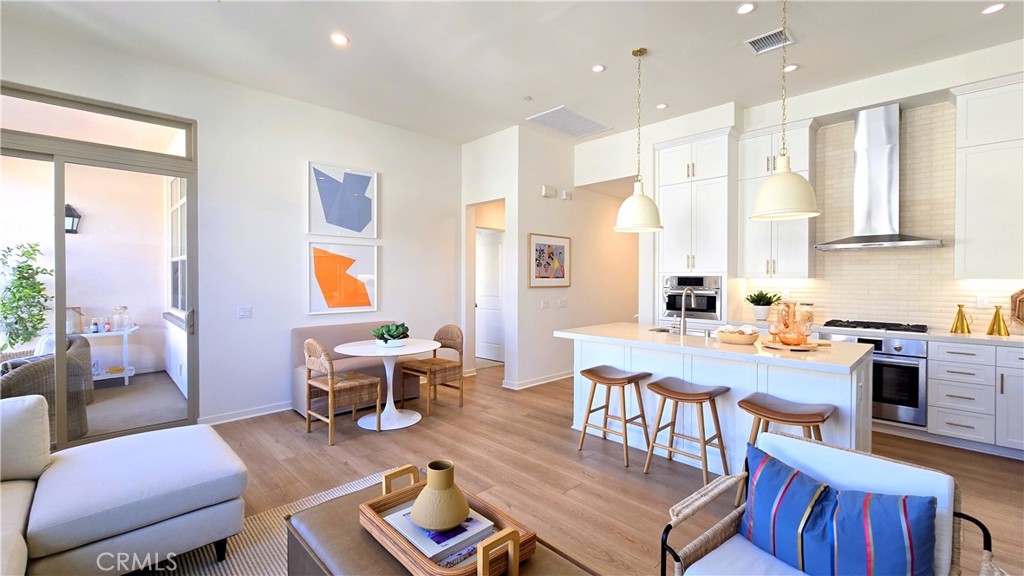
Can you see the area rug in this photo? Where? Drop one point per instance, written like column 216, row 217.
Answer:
column 262, row 546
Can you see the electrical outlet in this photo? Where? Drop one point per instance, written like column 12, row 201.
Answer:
column 785, row 294
column 982, row 300
column 543, row 304
column 562, row 303
column 244, row 312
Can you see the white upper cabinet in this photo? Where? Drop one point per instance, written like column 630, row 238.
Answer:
column 779, row 249
column 691, row 161
column 759, row 151
column 989, row 182
column 695, row 216
column 989, row 116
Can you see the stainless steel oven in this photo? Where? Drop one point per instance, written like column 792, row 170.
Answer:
column 900, row 378
column 707, row 292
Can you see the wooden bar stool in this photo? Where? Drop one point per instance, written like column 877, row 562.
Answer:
column 609, row 377
column 766, row 409
column 676, row 391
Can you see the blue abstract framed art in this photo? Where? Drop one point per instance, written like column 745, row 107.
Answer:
column 341, row 201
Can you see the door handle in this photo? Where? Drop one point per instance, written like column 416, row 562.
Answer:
column 190, row 321
column 1002, row 383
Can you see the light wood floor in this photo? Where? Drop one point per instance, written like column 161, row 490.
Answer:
column 517, row 450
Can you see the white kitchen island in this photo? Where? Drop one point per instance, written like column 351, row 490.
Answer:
column 839, row 375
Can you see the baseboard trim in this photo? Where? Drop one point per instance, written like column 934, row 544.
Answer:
column 524, row 384
column 243, row 414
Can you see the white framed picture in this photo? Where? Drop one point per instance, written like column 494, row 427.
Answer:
column 340, row 278
column 341, row 201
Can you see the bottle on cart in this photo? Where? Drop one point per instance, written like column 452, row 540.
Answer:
column 95, row 326
column 106, row 325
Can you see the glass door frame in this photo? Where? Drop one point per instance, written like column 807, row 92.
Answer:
column 61, row 152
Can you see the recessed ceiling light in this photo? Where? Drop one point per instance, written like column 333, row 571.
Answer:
column 994, row 8
column 661, row 106
column 339, row 39
column 745, row 8
column 791, row 68
column 527, row 98
column 597, row 67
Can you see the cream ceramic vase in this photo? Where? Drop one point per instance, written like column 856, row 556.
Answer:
column 440, row 505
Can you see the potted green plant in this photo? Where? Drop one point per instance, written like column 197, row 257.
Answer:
column 391, row 335
column 762, row 302
column 23, row 299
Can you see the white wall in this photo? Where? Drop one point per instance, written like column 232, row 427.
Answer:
column 603, row 267
column 253, row 148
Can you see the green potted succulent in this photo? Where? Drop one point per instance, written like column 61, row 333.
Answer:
column 762, row 302
column 391, row 335
column 23, row 297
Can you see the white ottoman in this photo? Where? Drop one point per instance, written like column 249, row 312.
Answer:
column 156, row 493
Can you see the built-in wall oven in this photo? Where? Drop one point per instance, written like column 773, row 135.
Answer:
column 707, row 292
column 900, row 378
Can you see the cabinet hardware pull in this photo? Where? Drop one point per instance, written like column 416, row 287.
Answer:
column 1002, row 383
column 961, row 353
column 693, row 170
column 767, row 264
column 960, row 425
column 960, row 397
column 767, row 163
column 961, row 373
column 694, row 260
column 775, row 267
column 773, row 164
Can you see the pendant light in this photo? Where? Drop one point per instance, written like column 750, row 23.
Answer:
column 638, row 213
column 785, row 195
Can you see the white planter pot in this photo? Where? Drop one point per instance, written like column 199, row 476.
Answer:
column 761, row 312
column 390, row 343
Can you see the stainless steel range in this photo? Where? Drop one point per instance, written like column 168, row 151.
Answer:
column 900, row 390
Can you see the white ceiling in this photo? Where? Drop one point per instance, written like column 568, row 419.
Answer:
column 460, row 70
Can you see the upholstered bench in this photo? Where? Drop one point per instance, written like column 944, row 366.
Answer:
column 144, row 495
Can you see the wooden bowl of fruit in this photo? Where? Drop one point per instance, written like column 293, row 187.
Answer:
column 727, row 336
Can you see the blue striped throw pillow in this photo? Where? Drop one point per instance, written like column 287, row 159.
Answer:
column 781, row 515
column 883, row 535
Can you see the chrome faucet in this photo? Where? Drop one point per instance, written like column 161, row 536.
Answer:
column 682, row 311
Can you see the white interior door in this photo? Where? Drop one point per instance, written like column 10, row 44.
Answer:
column 490, row 326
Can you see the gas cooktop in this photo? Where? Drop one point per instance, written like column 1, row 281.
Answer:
column 871, row 325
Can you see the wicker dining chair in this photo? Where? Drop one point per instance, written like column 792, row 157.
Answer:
column 717, row 549
column 341, row 389
column 440, row 371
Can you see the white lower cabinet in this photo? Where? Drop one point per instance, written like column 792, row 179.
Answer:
column 976, row 392
column 1010, row 408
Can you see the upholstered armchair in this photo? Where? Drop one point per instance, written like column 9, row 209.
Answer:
column 39, row 377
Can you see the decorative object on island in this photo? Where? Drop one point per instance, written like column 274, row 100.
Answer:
column 997, row 327
column 1017, row 307
column 962, row 321
column 71, row 219
column 341, row 201
column 391, row 335
column 23, row 300
column 551, row 261
column 745, row 334
column 441, row 504
column 762, row 303
column 785, row 195
column 341, row 278
column 638, row 213
column 793, row 324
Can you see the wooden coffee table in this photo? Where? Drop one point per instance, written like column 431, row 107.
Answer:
column 327, row 539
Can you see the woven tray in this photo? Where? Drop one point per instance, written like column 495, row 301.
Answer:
column 805, row 347
column 414, row 560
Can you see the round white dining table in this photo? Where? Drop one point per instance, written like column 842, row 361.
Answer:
column 391, row 418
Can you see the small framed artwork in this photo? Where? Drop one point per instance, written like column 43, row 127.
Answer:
column 550, row 261
column 341, row 201
column 341, row 278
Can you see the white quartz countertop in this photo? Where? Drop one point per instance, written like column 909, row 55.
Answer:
column 839, row 358
column 933, row 334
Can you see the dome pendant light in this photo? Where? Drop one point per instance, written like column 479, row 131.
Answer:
column 785, row 195
column 638, row 213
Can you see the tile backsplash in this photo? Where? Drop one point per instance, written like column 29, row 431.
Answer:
column 893, row 285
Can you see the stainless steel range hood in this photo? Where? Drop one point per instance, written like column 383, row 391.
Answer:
column 876, row 180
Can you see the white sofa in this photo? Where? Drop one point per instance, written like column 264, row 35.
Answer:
column 103, row 508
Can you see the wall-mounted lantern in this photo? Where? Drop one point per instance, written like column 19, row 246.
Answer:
column 71, row 219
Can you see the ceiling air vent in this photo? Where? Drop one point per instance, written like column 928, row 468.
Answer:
column 568, row 122
column 768, row 42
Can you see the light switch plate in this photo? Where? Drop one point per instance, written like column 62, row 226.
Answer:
column 982, row 300
column 244, row 312
column 543, row 304
column 548, row 191
column 562, row 302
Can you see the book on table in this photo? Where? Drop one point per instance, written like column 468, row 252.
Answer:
column 440, row 545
